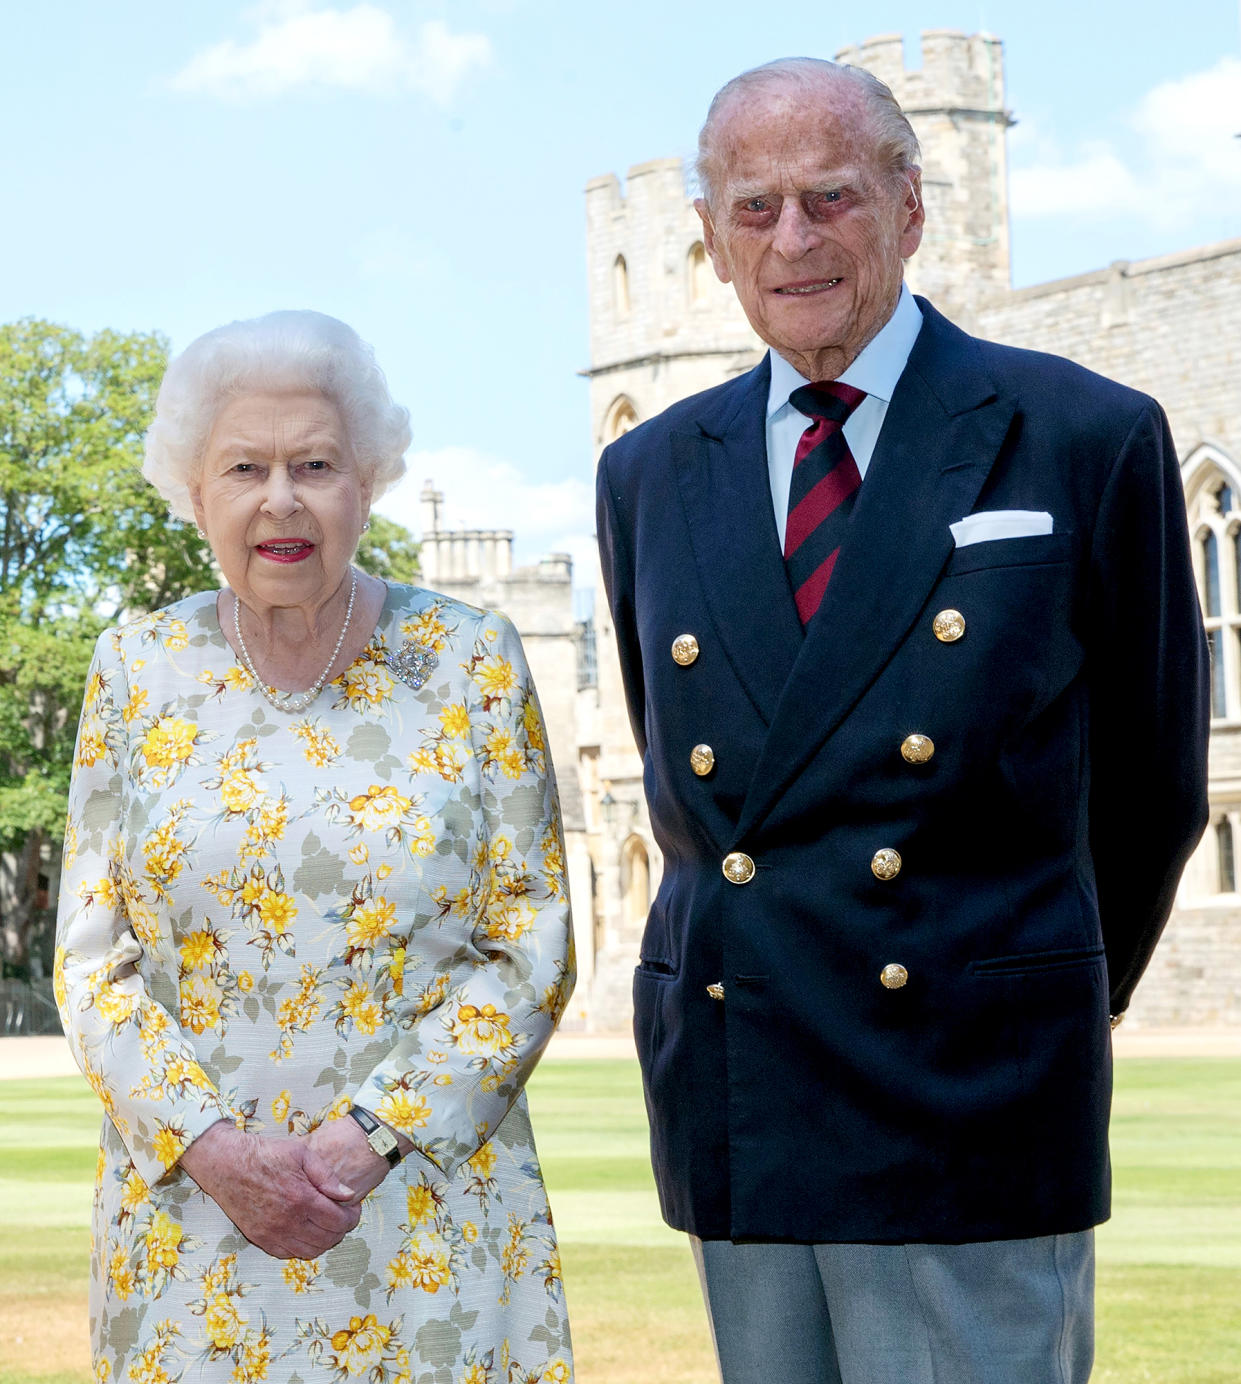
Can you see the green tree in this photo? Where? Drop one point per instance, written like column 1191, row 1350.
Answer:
column 388, row 551
column 83, row 538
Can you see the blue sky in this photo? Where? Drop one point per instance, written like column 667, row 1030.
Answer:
column 417, row 169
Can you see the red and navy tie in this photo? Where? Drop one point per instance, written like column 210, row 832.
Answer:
column 821, row 496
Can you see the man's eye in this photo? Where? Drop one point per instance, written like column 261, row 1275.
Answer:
column 756, row 204
column 314, row 464
column 823, row 203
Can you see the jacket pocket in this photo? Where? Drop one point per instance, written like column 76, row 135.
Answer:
column 1033, row 550
column 1040, row 962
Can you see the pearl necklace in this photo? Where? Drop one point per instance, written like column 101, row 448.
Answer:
column 289, row 701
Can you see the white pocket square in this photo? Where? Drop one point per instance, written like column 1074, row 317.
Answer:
column 1000, row 523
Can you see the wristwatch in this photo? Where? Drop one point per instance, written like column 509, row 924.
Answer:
column 378, row 1135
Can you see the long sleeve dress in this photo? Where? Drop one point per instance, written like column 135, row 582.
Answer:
column 266, row 916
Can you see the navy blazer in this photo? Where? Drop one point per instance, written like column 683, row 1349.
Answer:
column 1040, row 845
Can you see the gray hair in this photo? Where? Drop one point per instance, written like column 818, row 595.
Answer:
column 282, row 351
column 896, row 146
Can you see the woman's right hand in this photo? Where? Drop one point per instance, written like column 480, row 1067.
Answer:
column 280, row 1193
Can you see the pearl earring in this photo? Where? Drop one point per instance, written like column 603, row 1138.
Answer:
column 201, row 533
column 366, row 523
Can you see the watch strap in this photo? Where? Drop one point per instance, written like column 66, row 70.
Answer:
column 378, row 1135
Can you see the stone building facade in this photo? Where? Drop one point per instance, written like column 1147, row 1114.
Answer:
column 663, row 327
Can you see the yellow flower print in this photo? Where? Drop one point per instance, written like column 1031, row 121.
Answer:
column 558, row 1372
column 367, row 685
column 200, row 1003
column 280, row 1107
column 404, row 1111
column 495, row 676
column 169, row 1145
column 176, row 636
column 199, row 950
column 423, row 761
column 237, row 679
column 419, row 1204
column 255, row 1358
column 359, row 1004
column 240, row 791
column 481, row 1031
column 371, row 922
column 223, row 1322
column 92, row 742
column 115, row 1003
column 455, row 719
column 121, row 1274
column 359, row 853
column 300, row 1274
column 433, row 994
column 163, row 1240
column 135, row 706
column 277, row 911
column 427, row 629
column 245, row 982
column 499, row 742
column 509, row 918
column 469, row 1232
column 319, row 745
column 169, row 743
column 429, row 1267
column 360, row 1347
column 396, row 970
column 476, row 1374
column 379, row 808
column 423, row 841
column 501, row 847
column 483, row 1163
column 533, row 724
column 511, row 764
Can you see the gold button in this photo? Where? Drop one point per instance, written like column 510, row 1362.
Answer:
column 702, row 760
column 893, row 976
column 886, row 864
column 684, row 649
column 716, row 991
column 949, row 626
column 738, row 867
column 917, row 749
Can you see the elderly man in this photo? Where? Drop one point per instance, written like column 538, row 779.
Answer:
column 914, row 658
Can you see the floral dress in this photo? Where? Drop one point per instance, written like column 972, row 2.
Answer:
column 266, row 916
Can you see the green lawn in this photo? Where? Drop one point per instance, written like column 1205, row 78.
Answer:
column 1169, row 1261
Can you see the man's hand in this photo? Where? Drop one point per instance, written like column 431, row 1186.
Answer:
column 279, row 1192
column 342, row 1145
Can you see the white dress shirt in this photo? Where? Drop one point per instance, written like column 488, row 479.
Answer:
column 876, row 370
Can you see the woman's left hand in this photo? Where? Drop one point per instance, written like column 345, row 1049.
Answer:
column 343, row 1147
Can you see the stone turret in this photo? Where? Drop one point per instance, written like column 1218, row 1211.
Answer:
column 955, row 102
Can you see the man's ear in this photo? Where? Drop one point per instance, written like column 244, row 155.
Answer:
column 709, row 242
column 911, row 234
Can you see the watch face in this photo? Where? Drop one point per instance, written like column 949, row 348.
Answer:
column 383, row 1141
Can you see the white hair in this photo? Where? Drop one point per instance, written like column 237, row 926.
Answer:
column 282, row 351
column 895, row 145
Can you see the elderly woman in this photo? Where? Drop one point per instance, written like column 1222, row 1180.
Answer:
column 314, row 929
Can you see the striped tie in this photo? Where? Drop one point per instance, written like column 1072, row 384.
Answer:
column 825, row 482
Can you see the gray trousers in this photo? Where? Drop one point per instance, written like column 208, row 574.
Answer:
column 999, row 1312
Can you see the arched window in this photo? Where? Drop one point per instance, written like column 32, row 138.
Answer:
column 1212, row 485
column 620, row 417
column 1225, row 856
column 699, row 273
column 637, row 882
column 620, row 286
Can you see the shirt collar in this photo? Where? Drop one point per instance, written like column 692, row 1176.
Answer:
column 877, row 367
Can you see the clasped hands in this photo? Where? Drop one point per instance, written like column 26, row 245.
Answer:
column 295, row 1197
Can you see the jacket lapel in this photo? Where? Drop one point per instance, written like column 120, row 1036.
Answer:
column 944, row 428
column 721, row 470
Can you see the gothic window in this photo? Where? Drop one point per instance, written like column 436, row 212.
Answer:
column 638, row 887
column 1226, row 856
column 1212, row 491
column 620, row 286
column 699, row 268
column 620, row 417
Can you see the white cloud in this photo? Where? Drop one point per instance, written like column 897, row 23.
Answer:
column 356, row 49
column 485, row 491
column 1186, row 161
